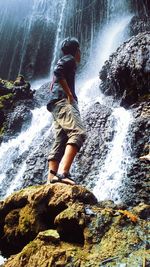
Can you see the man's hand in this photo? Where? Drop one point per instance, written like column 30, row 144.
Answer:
column 70, row 98
column 67, row 90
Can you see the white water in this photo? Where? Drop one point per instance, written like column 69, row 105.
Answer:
column 58, row 34
column 117, row 160
column 2, row 260
column 15, row 148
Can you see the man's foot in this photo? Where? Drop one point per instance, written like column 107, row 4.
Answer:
column 66, row 178
column 146, row 157
column 52, row 178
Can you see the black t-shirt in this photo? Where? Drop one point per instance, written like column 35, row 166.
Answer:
column 64, row 69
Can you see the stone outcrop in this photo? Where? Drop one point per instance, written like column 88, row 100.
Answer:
column 126, row 75
column 62, row 225
column 13, row 109
column 136, row 185
column 139, row 24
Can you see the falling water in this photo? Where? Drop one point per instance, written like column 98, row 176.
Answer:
column 118, row 158
column 58, row 35
column 15, row 148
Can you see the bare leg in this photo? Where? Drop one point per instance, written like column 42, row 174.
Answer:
column 69, row 155
column 146, row 157
column 52, row 165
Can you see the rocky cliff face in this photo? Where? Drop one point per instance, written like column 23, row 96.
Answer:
column 62, row 225
column 126, row 76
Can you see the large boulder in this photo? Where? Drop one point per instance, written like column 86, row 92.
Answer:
column 62, row 225
column 26, row 213
column 126, row 75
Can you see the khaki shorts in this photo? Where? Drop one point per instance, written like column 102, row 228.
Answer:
column 68, row 128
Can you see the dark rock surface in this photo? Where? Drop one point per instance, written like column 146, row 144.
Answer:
column 136, row 186
column 99, row 126
column 17, row 120
column 126, row 75
column 139, row 24
column 15, row 105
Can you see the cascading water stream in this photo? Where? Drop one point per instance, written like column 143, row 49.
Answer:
column 58, row 36
column 15, row 148
column 118, row 158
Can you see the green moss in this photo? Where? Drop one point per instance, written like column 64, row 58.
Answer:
column 6, row 101
column 2, row 130
column 26, row 220
column 9, row 84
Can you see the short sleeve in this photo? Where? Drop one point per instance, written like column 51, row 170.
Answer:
column 59, row 70
column 64, row 66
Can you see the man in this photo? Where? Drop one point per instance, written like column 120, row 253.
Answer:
column 70, row 133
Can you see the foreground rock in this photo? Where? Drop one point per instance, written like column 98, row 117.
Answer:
column 61, row 225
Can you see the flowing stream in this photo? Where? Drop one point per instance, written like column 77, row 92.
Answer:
column 117, row 161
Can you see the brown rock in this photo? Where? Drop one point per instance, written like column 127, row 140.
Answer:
column 64, row 226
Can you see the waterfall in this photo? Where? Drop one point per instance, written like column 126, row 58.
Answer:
column 19, row 148
column 26, row 30
column 103, row 41
column 58, row 34
column 118, row 158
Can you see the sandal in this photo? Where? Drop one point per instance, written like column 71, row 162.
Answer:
column 65, row 178
column 55, row 179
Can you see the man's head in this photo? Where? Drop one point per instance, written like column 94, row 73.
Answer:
column 70, row 46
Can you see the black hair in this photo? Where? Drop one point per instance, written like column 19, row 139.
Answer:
column 70, row 46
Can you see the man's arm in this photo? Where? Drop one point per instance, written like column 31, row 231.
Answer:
column 66, row 88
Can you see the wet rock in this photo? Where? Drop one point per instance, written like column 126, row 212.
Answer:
column 17, row 120
column 126, row 75
column 98, row 122
column 13, row 107
column 135, row 188
column 139, row 24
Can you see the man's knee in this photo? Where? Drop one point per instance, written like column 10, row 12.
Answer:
column 77, row 139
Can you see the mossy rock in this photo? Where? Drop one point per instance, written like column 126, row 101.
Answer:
column 6, row 101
